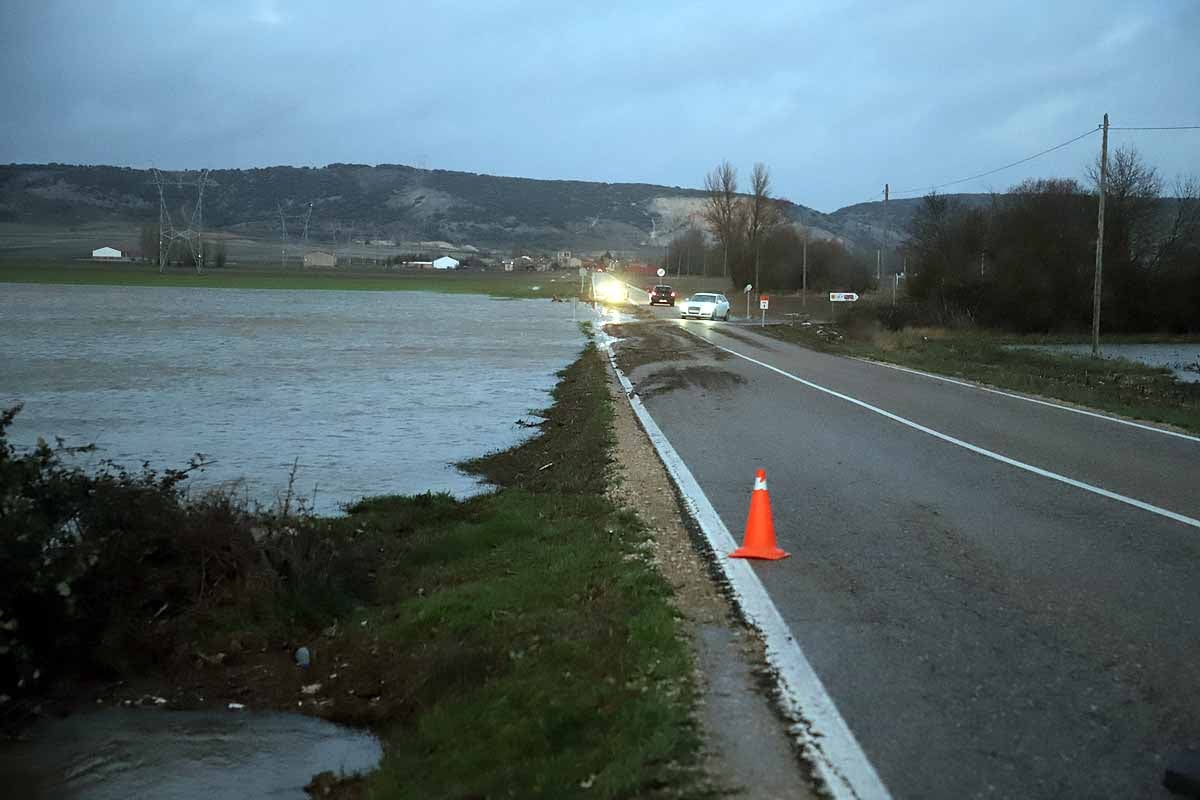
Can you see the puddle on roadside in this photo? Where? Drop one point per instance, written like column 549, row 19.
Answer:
column 1182, row 359
column 180, row 755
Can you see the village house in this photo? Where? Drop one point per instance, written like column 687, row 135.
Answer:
column 107, row 254
column 320, row 258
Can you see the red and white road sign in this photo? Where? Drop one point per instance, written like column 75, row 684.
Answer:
column 763, row 302
column 843, row 297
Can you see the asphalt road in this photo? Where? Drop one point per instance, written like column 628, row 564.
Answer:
column 984, row 630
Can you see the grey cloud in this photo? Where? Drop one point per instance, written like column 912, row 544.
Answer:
column 836, row 97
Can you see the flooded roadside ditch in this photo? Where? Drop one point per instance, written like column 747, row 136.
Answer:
column 116, row 754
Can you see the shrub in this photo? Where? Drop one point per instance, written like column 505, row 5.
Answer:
column 105, row 572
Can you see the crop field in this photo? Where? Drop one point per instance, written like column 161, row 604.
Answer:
column 260, row 246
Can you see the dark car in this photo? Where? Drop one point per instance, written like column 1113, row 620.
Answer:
column 662, row 294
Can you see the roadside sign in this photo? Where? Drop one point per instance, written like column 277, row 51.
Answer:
column 764, row 302
column 661, row 272
column 583, row 272
column 843, row 297
column 747, row 289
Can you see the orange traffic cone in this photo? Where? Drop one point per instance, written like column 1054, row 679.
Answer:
column 760, row 529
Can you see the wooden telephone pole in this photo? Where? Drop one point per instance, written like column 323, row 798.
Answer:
column 1099, row 243
column 886, row 231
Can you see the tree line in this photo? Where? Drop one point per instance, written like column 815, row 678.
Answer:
column 1026, row 261
column 750, row 239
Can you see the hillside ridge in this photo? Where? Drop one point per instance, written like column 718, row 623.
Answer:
column 400, row 202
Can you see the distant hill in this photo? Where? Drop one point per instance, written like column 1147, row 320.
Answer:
column 404, row 204
column 864, row 223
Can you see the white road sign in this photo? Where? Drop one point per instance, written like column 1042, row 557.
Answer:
column 661, row 272
column 763, row 302
column 842, row 297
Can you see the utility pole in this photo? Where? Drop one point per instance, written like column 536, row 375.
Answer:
column 804, row 277
column 1099, row 243
column 200, row 229
column 885, row 230
column 981, row 263
column 304, row 240
column 757, row 287
column 163, row 221
column 282, row 236
column 878, row 268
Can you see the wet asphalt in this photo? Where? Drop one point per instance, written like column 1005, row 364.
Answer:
column 985, row 631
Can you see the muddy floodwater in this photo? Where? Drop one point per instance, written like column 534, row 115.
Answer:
column 180, row 755
column 369, row 392
column 1182, row 359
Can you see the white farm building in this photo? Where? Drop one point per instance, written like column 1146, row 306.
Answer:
column 107, row 253
column 320, row 258
column 445, row 262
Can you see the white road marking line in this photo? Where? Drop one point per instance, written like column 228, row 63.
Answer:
column 982, row 388
column 1045, row 473
column 823, row 735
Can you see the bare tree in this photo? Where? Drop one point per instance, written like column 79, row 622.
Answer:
column 762, row 213
column 1132, row 189
column 1182, row 229
column 721, row 207
column 686, row 251
column 219, row 256
column 150, row 242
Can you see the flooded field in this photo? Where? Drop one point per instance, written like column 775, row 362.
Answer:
column 1182, row 359
column 369, row 392
column 181, row 755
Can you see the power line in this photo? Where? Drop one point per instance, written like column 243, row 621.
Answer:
column 873, row 199
column 926, row 189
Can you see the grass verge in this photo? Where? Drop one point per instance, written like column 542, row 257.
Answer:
column 515, row 644
column 497, row 284
column 1115, row 385
column 548, row 653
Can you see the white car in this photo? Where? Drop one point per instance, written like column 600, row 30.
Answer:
column 706, row 305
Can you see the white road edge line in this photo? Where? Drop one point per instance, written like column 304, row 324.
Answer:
column 824, row 738
column 983, row 388
column 1012, row 462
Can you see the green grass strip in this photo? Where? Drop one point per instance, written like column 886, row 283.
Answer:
column 537, row 650
column 1116, row 385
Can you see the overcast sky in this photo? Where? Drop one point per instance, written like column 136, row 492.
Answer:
column 835, row 97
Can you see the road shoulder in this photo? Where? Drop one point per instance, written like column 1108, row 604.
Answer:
column 746, row 745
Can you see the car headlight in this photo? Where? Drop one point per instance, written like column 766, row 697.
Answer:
column 612, row 291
